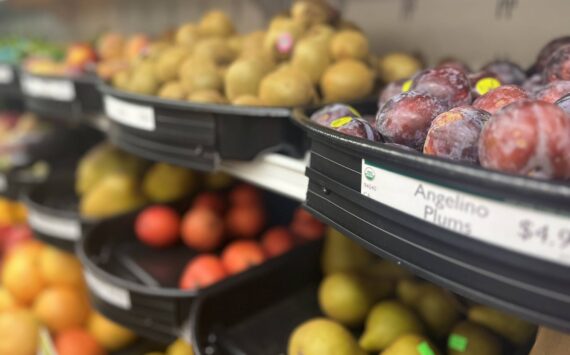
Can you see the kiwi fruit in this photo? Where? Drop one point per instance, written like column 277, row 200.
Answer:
column 347, row 80
column 311, row 57
column 397, row 66
column 349, row 44
column 172, row 90
column 216, row 24
column 215, row 49
column 187, row 35
column 248, row 100
column 200, row 74
column 243, row 77
column 280, row 40
column 169, row 62
column 207, row 97
column 287, row 86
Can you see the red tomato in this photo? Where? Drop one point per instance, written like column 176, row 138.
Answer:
column 245, row 221
column 202, row 229
column 241, row 255
column 245, row 195
column 202, row 271
column 211, row 200
column 305, row 226
column 158, row 226
column 277, row 241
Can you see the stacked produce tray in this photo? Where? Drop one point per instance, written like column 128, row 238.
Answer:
column 284, row 297
column 137, row 285
column 194, row 135
column 53, row 213
column 496, row 238
column 68, row 100
column 9, row 82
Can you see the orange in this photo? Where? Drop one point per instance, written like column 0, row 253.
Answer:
column 7, row 301
column 21, row 273
column 77, row 341
column 61, row 308
column 20, row 212
column 59, row 268
column 18, row 333
column 6, row 212
column 109, row 334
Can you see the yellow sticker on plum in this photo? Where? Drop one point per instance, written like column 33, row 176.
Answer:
column 407, row 85
column 485, row 85
column 339, row 122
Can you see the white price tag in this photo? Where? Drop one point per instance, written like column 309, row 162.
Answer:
column 540, row 234
column 48, row 88
column 110, row 293
column 6, row 74
column 56, row 227
column 3, row 183
column 137, row 116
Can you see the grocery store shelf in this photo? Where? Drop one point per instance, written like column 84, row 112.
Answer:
column 274, row 172
column 470, row 230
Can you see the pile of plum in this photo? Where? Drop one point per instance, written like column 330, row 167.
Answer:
column 498, row 117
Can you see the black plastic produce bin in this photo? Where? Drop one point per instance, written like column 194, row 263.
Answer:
column 485, row 244
column 67, row 100
column 196, row 135
column 9, row 83
column 271, row 306
column 137, row 286
column 53, row 212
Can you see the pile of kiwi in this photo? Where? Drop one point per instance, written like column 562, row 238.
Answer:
column 307, row 56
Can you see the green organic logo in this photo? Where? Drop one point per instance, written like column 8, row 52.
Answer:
column 369, row 173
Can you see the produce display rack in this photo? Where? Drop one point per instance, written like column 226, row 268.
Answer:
column 470, row 230
column 498, row 239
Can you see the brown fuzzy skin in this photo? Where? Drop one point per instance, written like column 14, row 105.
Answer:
column 500, row 97
column 528, row 138
column 407, row 117
column 455, row 134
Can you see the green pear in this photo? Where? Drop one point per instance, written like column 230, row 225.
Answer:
column 438, row 308
column 386, row 322
column 165, row 183
column 116, row 193
column 320, row 336
column 342, row 254
column 346, row 297
column 512, row 328
column 468, row 338
column 384, row 269
column 411, row 344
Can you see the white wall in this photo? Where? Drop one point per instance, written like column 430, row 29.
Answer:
column 467, row 29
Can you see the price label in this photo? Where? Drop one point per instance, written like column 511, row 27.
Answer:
column 541, row 234
column 3, row 183
column 137, row 116
column 53, row 226
column 110, row 293
column 6, row 74
column 44, row 88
